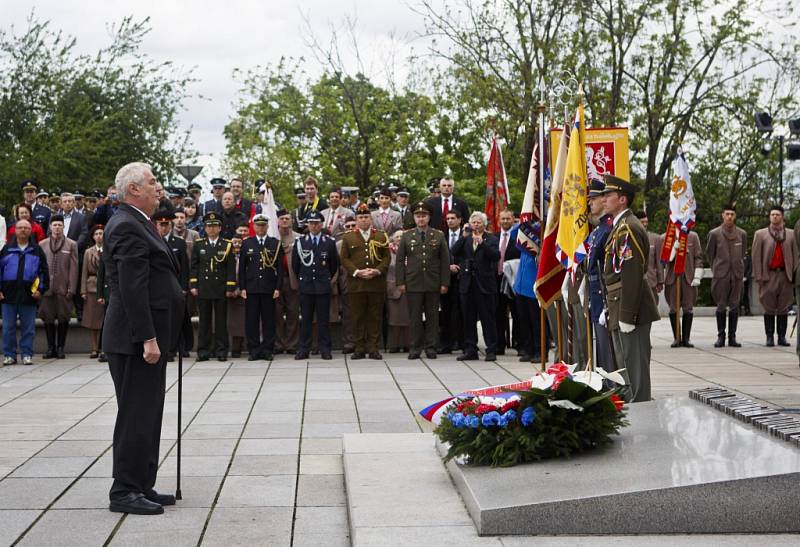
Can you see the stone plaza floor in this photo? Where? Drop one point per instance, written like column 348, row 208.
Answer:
column 262, row 446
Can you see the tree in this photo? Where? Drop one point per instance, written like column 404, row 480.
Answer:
column 73, row 120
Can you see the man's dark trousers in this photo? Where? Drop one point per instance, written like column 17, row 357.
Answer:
column 218, row 345
column 140, row 399
column 321, row 304
column 259, row 312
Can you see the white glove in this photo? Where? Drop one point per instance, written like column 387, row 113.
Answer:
column 698, row 276
column 603, row 321
column 626, row 327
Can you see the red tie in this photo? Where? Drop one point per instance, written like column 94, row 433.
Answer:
column 445, row 210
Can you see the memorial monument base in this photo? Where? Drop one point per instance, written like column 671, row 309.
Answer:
column 679, row 468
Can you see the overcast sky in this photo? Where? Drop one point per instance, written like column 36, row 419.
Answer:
column 217, row 36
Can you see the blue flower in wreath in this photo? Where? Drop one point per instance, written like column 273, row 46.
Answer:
column 472, row 421
column 508, row 417
column 491, row 418
column 457, row 420
column 528, row 416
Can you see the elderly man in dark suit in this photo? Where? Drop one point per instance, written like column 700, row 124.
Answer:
column 444, row 203
column 142, row 322
column 476, row 254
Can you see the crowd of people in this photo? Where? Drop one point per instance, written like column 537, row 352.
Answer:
column 395, row 275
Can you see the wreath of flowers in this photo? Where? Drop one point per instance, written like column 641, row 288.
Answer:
column 563, row 413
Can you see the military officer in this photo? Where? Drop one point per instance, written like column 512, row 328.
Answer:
column 632, row 310
column 365, row 256
column 603, row 356
column 212, row 280
column 40, row 212
column 423, row 273
column 404, row 208
column 726, row 249
column 774, row 261
column 315, row 262
column 690, row 280
column 260, row 273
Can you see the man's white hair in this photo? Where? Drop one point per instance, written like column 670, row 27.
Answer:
column 481, row 215
column 132, row 173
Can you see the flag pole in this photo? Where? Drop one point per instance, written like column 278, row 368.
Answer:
column 543, row 349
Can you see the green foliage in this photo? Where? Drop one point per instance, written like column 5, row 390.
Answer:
column 73, row 120
column 555, row 432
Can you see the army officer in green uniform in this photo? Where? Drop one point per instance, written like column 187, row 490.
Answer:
column 212, row 280
column 630, row 311
column 423, row 273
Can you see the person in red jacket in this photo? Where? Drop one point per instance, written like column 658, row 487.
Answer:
column 23, row 212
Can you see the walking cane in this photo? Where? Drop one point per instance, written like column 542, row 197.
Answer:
column 180, row 403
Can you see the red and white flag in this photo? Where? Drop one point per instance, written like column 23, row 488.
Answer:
column 497, row 198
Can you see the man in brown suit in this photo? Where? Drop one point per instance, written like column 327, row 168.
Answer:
column 774, row 261
column 365, row 256
column 630, row 311
column 655, row 273
column 56, row 303
column 690, row 280
column 725, row 249
column 423, row 273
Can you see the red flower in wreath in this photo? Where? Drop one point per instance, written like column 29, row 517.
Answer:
column 618, row 402
column 509, row 406
column 483, row 409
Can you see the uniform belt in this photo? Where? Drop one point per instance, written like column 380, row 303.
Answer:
column 777, row 269
column 594, row 277
column 613, row 286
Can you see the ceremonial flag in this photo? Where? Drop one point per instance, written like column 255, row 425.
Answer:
column 529, row 237
column 270, row 210
column 551, row 272
column 496, row 187
column 573, row 226
column 682, row 208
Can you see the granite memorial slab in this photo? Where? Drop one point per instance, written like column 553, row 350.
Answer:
column 679, row 468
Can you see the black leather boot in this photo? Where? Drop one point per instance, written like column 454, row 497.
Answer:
column 676, row 342
column 733, row 321
column 769, row 329
column 63, row 328
column 783, row 321
column 686, row 330
column 50, row 332
column 720, row 329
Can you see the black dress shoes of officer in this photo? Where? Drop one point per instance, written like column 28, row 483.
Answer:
column 300, row 355
column 375, row 355
column 161, row 499
column 203, row 357
column 414, row 355
column 327, row 356
column 467, row 357
column 357, row 355
column 253, row 357
column 135, row 504
column 491, row 357
column 430, row 354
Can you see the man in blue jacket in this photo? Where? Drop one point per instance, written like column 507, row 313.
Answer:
column 23, row 280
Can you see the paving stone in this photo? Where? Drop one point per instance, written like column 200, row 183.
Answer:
column 195, row 466
column 20, row 449
column 249, row 526
column 33, row 493
column 321, row 526
column 329, row 430
column 196, row 491
column 86, row 493
column 388, row 536
column 206, row 447
column 321, row 464
column 271, row 431
column 257, row 447
column 320, row 490
column 390, row 427
column 213, row 432
column 177, row 526
column 13, row 522
column 321, row 445
column 264, row 465
column 62, row 449
column 249, row 491
column 70, row 527
column 54, row 467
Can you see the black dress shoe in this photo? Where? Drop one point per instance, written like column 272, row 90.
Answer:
column 299, row 356
column 267, row 357
column 467, row 357
column 161, row 499
column 327, row 356
column 445, row 351
column 185, row 353
column 222, row 358
column 357, row 355
column 202, row 357
column 252, row 357
column 782, row 341
column 102, row 358
column 430, row 354
column 170, row 357
column 236, row 354
column 60, row 353
column 375, row 355
column 490, row 357
column 414, row 355
column 348, row 349
column 523, row 357
column 135, row 504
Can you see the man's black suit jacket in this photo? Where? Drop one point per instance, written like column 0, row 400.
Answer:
column 479, row 265
column 146, row 299
column 177, row 245
column 435, row 205
column 78, row 231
